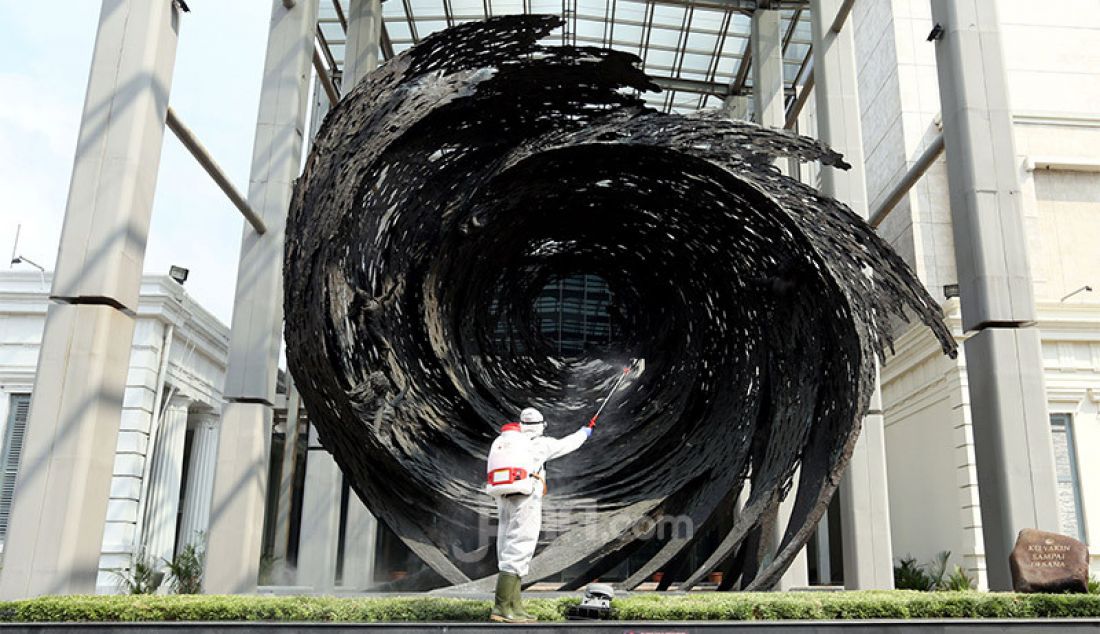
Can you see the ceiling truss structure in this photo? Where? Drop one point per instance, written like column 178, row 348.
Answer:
column 697, row 51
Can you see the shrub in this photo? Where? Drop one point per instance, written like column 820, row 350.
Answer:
column 142, row 577
column 1094, row 585
column 650, row 607
column 957, row 581
column 909, row 575
column 187, row 568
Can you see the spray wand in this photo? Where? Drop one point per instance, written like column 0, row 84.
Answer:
column 622, row 377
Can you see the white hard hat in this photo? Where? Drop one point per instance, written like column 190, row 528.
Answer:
column 530, row 415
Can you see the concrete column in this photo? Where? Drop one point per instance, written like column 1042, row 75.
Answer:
column 320, row 531
column 364, row 36
column 768, row 110
column 767, row 69
column 286, row 474
column 361, row 57
column 865, row 512
column 56, row 531
column 824, row 562
column 868, row 556
column 360, row 541
column 1008, row 407
column 244, row 448
column 165, row 480
column 798, row 574
column 737, row 107
column 195, row 523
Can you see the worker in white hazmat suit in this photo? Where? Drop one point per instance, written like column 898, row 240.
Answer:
column 516, row 477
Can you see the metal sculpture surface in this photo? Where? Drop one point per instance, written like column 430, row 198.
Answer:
column 451, row 185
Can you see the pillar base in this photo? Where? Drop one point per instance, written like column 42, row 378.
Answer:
column 239, row 497
column 1012, row 444
column 64, row 481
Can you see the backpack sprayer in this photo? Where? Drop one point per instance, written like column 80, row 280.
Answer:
column 618, row 382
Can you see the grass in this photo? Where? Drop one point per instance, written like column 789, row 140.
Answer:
column 649, row 607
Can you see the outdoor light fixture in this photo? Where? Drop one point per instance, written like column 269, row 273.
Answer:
column 595, row 605
column 22, row 260
column 951, row 290
column 179, row 274
column 1084, row 289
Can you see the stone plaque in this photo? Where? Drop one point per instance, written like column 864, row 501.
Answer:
column 1048, row 562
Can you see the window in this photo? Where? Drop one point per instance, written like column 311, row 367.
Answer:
column 1065, row 469
column 13, row 451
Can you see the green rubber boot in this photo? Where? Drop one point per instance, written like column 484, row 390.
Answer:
column 518, row 612
column 503, row 610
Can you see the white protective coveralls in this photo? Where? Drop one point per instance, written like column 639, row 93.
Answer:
column 521, row 515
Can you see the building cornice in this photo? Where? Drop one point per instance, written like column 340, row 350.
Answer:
column 1075, row 119
column 161, row 297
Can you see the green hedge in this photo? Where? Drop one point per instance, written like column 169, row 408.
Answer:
column 656, row 607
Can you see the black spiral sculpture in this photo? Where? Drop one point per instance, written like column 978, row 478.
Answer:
column 454, row 183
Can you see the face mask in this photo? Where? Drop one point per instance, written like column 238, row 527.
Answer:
column 535, row 429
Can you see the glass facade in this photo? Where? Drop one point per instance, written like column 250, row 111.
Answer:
column 572, row 313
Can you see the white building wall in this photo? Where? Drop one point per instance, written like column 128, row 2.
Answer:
column 930, row 453
column 1053, row 67
column 196, row 370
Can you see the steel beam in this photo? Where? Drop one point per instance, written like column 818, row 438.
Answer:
column 202, row 155
column 326, row 78
column 926, row 159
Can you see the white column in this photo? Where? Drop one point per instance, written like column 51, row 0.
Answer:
column 798, row 574
column 1008, row 404
column 865, row 520
column 767, row 69
column 57, row 519
column 736, row 107
column 195, row 522
column 768, row 106
column 360, row 543
column 364, row 35
column 361, row 57
column 824, row 560
column 286, row 474
column 318, row 539
column 244, row 448
column 165, row 480
column 865, row 512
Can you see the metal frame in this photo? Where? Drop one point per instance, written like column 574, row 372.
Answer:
column 676, row 73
